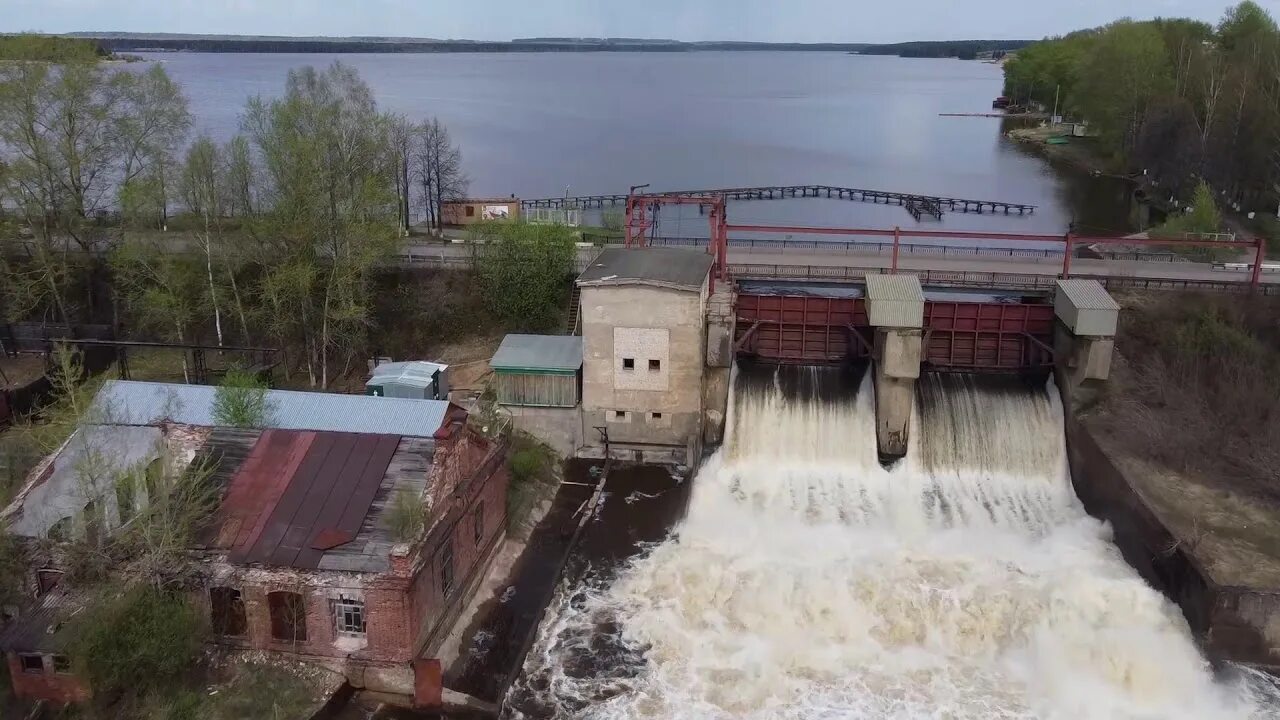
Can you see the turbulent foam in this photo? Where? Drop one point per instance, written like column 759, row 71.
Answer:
column 809, row 582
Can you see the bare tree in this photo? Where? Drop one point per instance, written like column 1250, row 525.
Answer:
column 438, row 169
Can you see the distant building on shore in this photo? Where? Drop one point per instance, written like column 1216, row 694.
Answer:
column 469, row 211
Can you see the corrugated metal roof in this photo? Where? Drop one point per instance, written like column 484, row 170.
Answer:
column 417, row 373
column 299, row 494
column 664, row 267
column 538, row 352
column 895, row 301
column 42, row 628
column 1087, row 295
column 125, row 402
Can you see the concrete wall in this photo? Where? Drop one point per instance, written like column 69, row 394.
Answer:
column 641, row 405
column 560, row 428
column 1231, row 623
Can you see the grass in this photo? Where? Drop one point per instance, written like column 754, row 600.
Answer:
column 535, row 472
column 1199, row 385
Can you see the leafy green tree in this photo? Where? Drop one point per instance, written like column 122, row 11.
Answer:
column 164, row 290
column 524, row 269
column 241, row 400
column 328, row 172
column 136, row 640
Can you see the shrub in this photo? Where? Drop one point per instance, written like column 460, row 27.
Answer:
column 404, row 517
column 526, row 465
column 136, row 641
column 241, row 400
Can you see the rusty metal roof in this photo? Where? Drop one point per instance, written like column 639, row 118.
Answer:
column 300, row 494
column 42, row 628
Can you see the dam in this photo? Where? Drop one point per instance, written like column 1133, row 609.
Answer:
column 809, row 580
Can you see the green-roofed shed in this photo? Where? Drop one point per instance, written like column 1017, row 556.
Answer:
column 539, row 370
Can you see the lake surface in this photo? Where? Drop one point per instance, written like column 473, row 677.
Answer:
column 540, row 125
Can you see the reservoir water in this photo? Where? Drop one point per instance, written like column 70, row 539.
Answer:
column 541, row 125
column 807, row 581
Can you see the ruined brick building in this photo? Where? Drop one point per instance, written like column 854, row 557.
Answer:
column 351, row 530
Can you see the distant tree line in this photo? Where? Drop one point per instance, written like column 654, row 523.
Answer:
column 962, row 49
column 283, row 226
column 50, row 48
column 1179, row 99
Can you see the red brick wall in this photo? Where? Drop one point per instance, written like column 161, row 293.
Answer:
column 430, row 607
column 387, row 622
column 51, row 686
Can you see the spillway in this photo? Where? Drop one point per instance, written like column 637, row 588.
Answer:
column 808, row 581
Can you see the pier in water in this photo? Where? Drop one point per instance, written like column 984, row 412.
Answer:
column 808, row 581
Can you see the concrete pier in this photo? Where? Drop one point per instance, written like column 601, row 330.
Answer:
column 895, row 307
column 720, row 357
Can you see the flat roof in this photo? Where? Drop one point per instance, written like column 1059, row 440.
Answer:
column 663, row 267
column 552, row 353
column 126, row 402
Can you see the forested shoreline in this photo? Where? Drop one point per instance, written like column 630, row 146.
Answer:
column 1177, row 102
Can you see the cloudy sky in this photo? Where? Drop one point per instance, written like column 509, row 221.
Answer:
column 767, row 20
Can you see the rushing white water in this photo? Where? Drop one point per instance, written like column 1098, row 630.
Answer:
column 809, row 582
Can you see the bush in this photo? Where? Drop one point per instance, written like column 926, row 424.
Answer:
column 135, row 642
column 404, row 517
column 525, row 271
column 526, row 465
column 241, row 400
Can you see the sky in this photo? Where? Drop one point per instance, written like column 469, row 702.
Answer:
column 760, row 20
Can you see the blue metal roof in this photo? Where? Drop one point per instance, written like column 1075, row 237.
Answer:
column 124, row 402
column 538, row 352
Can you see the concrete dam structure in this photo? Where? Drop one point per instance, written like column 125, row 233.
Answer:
column 884, row 520
column 810, row 581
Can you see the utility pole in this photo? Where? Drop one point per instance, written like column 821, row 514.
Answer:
column 1056, row 93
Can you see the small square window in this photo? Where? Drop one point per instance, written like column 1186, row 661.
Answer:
column 33, row 664
column 471, row 211
column 655, row 416
column 350, row 615
column 628, row 363
column 655, row 365
column 620, row 414
column 62, row 664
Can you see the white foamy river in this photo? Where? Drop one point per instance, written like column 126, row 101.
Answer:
column 809, row 582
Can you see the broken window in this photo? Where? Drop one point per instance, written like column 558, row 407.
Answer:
column 620, row 414
column 227, row 612
column 288, row 616
column 32, row 663
column 655, row 365
column 61, row 664
column 446, row 568
column 655, row 416
column 47, row 580
column 628, row 363
column 477, row 522
column 61, row 530
column 349, row 613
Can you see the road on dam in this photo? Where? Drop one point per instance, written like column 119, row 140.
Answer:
column 849, row 257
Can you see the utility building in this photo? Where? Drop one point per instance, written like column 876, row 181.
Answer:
column 539, row 370
column 415, row 380
column 644, row 340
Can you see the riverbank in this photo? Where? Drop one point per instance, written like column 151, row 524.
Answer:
column 1056, row 142
column 1179, row 455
